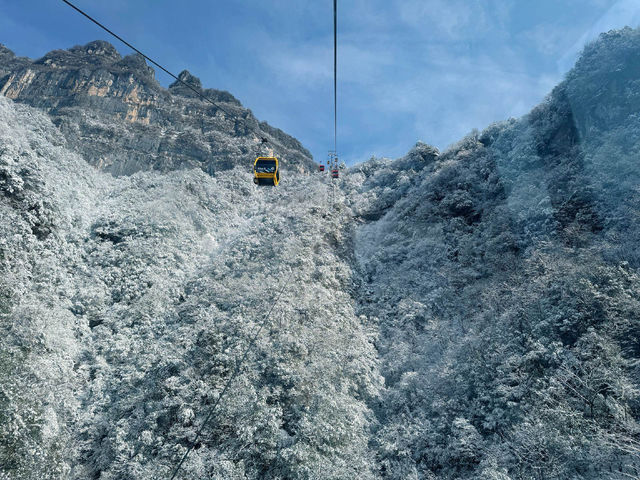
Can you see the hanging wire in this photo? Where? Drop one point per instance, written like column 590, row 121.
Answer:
column 236, row 370
column 196, row 91
column 335, row 76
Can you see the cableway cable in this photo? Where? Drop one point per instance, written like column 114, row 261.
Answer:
column 147, row 58
column 335, row 76
column 236, row 370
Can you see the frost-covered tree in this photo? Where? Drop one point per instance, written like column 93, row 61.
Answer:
column 472, row 313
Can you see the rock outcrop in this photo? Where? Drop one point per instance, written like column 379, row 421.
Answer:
column 120, row 119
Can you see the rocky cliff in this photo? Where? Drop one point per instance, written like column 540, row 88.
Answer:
column 120, row 119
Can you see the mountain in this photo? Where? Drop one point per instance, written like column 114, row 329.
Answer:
column 117, row 115
column 503, row 277
column 126, row 302
column 466, row 314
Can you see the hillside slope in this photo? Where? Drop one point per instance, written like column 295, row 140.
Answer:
column 126, row 302
column 503, row 277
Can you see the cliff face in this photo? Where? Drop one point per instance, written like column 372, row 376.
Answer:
column 113, row 111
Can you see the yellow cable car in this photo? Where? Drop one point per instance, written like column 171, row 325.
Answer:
column 266, row 171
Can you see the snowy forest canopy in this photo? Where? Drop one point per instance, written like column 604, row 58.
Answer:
column 470, row 314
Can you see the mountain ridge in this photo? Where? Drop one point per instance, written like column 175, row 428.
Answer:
column 89, row 90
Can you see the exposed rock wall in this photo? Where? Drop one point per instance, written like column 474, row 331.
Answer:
column 113, row 111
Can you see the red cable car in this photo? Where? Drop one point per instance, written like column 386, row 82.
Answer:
column 335, row 173
column 321, row 168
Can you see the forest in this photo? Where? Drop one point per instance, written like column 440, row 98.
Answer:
column 466, row 314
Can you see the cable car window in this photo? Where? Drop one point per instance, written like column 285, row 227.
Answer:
column 265, row 166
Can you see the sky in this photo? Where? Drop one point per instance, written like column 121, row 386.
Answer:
column 409, row 70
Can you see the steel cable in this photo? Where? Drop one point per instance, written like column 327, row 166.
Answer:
column 233, row 375
column 148, row 58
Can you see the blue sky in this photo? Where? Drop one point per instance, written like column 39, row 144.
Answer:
column 409, row 70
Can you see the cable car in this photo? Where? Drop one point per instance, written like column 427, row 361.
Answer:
column 321, row 168
column 266, row 171
column 335, row 173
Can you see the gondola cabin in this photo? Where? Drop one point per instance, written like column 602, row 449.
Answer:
column 321, row 168
column 335, row 173
column 266, row 171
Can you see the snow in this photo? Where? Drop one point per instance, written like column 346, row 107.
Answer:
column 141, row 297
column 456, row 315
